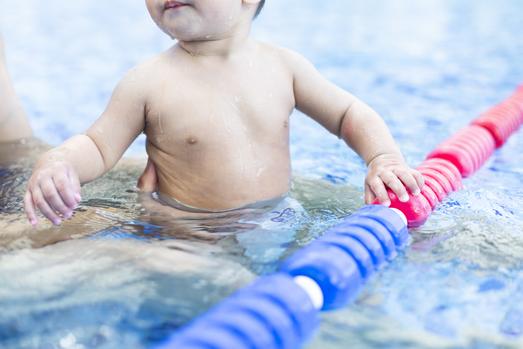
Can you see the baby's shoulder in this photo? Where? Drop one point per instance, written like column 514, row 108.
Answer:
column 143, row 76
column 144, row 70
column 286, row 56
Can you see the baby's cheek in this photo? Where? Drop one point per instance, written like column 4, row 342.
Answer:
column 152, row 7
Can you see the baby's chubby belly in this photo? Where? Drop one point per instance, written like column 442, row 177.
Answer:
column 221, row 141
column 220, row 173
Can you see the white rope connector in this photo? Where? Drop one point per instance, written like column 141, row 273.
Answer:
column 312, row 289
column 401, row 214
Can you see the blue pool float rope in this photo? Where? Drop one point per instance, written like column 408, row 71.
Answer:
column 281, row 311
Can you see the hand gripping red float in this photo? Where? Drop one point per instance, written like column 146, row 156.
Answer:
column 460, row 156
column 441, row 178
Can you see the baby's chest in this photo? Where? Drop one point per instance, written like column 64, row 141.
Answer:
column 196, row 112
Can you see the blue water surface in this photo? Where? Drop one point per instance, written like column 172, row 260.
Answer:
column 428, row 67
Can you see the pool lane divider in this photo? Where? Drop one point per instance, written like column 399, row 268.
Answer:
column 281, row 310
column 460, row 156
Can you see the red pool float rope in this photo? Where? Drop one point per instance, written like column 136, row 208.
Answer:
column 504, row 118
column 460, row 156
column 468, row 149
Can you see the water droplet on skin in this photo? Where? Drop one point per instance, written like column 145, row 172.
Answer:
column 259, row 172
column 235, row 106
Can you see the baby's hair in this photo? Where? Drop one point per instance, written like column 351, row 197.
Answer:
column 260, row 6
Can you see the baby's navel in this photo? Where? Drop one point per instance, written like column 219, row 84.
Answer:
column 191, row 140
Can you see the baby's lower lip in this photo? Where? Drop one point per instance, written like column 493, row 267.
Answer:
column 174, row 6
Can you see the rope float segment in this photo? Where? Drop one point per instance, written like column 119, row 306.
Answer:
column 504, row 118
column 462, row 155
column 281, row 311
column 274, row 312
column 346, row 255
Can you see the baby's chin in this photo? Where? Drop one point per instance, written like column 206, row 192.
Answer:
column 189, row 35
column 182, row 33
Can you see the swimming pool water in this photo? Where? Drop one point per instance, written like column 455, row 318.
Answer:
column 428, row 67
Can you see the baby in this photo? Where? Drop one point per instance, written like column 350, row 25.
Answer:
column 215, row 108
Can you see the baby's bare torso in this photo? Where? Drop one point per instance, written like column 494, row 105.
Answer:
column 218, row 129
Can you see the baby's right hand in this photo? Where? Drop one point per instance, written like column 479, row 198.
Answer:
column 54, row 189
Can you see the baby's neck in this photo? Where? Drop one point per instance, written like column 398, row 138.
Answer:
column 218, row 47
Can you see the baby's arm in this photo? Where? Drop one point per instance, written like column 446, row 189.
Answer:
column 54, row 187
column 359, row 126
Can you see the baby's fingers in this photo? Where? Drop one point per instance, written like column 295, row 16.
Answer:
column 378, row 189
column 75, row 182
column 419, row 178
column 393, row 182
column 30, row 211
column 41, row 203
column 66, row 191
column 407, row 177
column 369, row 195
column 53, row 197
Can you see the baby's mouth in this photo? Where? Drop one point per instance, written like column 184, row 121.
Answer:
column 172, row 4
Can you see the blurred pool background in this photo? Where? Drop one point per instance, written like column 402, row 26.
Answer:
column 428, row 67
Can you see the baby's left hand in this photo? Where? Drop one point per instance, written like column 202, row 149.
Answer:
column 390, row 170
